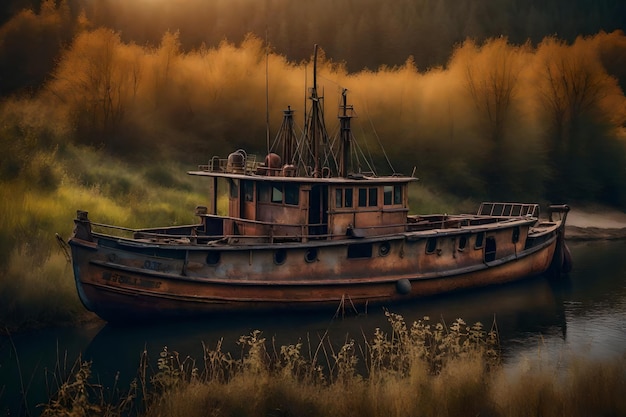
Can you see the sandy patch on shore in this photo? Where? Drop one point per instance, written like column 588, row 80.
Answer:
column 595, row 223
column 597, row 217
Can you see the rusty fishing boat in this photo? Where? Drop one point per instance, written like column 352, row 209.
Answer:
column 307, row 228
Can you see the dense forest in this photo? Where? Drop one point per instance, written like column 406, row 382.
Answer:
column 362, row 34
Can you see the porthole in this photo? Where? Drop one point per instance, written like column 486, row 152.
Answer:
column 310, row 255
column 280, row 256
column 213, row 258
column 384, row 249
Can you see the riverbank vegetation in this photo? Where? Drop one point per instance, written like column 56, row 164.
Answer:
column 418, row 369
column 110, row 124
column 38, row 207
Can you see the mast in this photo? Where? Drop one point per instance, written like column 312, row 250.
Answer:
column 267, row 98
column 287, row 137
column 345, row 135
column 314, row 117
column 315, row 134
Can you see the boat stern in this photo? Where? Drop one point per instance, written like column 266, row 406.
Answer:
column 82, row 227
column 562, row 260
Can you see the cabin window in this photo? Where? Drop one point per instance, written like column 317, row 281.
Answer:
column 462, row 243
column 372, row 200
column 348, row 197
column 263, row 192
column 234, row 188
column 339, row 198
column 515, row 236
column 368, row 197
column 292, row 192
column 431, row 245
column 480, row 240
column 277, row 193
column 248, row 190
column 362, row 197
column 343, row 197
column 490, row 249
column 387, row 195
column 360, row 250
column 392, row 195
column 397, row 194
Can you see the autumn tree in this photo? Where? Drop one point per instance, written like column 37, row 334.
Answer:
column 492, row 81
column 583, row 107
column 612, row 49
column 30, row 43
column 167, row 57
column 96, row 82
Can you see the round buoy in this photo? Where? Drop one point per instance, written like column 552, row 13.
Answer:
column 403, row 286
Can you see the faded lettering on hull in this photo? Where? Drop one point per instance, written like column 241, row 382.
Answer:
column 114, row 277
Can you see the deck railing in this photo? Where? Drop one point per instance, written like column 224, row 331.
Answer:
column 508, row 209
column 216, row 227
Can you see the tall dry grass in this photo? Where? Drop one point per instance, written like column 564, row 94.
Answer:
column 420, row 370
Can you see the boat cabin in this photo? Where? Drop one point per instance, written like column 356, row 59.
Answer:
column 284, row 208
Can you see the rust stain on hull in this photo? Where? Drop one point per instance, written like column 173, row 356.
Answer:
column 117, row 292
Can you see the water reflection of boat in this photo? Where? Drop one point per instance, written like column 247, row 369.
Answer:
column 306, row 229
column 520, row 310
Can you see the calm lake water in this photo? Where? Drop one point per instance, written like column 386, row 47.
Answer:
column 584, row 314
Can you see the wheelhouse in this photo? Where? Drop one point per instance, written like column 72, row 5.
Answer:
column 303, row 208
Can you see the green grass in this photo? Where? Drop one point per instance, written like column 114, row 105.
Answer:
column 37, row 293
column 423, row 200
column 36, row 281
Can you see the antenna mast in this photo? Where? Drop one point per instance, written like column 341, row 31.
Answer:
column 267, row 99
column 314, row 117
column 345, row 135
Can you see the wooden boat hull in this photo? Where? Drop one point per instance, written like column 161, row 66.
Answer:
column 125, row 280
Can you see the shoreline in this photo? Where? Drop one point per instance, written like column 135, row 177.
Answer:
column 595, row 223
column 575, row 233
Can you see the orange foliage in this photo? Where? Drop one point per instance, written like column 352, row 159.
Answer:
column 487, row 124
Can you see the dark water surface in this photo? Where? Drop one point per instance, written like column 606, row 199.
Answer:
column 584, row 314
